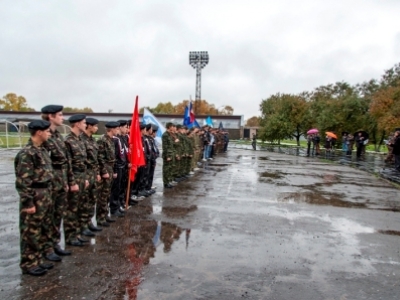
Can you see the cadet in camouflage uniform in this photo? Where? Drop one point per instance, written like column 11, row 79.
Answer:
column 191, row 134
column 56, row 147
column 34, row 175
column 168, row 155
column 187, row 152
column 106, row 157
column 93, row 176
column 179, row 152
column 76, row 152
column 196, row 149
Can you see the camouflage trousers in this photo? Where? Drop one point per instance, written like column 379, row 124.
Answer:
column 168, row 170
column 35, row 230
column 177, row 170
column 72, row 226
column 89, row 199
column 104, row 191
column 59, row 196
column 194, row 160
column 188, row 164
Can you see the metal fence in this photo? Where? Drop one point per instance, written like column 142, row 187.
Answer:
column 16, row 134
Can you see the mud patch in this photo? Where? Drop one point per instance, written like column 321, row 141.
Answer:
column 390, row 232
column 271, row 175
column 331, row 199
column 178, row 212
column 219, row 165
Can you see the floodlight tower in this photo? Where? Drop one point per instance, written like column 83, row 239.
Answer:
column 198, row 60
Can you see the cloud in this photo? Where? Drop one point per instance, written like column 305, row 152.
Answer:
column 102, row 54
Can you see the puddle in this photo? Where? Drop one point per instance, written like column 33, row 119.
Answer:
column 174, row 212
column 263, row 158
column 390, row 232
column 272, row 175
column 332, row 199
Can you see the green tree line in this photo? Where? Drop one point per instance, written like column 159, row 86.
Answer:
column 373, row 106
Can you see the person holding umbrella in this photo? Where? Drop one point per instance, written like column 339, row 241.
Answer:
column 310, row 137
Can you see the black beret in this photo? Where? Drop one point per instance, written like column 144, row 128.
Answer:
column 122, row 122
column 142, row 126
column 148, row 126
column 112, row 124
column 76, row 118
column 179, row 126
column 155, row 127
column 92, row 121
column 52, row 109
column 39, row 125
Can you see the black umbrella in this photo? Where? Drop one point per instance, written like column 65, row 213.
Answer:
column 363, row 133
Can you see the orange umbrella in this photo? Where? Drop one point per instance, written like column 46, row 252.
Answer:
column 331, row 134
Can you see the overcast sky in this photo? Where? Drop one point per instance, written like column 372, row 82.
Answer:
column 102, row 54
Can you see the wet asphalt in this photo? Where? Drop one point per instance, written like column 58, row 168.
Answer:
column 249, row 225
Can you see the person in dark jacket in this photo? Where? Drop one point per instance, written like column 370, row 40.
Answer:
column 360, row 144
column 396, row 149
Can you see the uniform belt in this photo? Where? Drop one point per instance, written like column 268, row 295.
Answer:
column 78, row 170
column 57, row 167
column 40, row 185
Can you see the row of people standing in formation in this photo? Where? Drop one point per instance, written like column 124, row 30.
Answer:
column 348, row 143
column 184, row 148
column 72, row 180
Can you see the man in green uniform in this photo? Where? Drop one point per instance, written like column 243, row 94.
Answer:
column 93, row 176
column 77, row 181
column 168, row 155
column 34, row 175
column 106, row 158
column 57, row 150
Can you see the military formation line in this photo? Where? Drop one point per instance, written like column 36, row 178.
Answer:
column 76, row 179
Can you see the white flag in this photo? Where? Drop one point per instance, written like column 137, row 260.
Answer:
column 149, row 118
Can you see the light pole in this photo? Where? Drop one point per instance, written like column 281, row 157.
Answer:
column 198, row 60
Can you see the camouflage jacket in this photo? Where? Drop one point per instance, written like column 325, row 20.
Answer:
column 32, row 170
column 190, row 144
column 56, row 147
column 106, row 154
column 168, row 150
column 197, row 142
column 77, row 156
column 92, row 150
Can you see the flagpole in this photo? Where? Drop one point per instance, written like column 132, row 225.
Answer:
column 128, row 189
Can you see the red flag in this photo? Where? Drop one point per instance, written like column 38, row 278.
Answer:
column 136, row 155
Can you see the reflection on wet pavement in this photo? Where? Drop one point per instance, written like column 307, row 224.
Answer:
column 255, row 225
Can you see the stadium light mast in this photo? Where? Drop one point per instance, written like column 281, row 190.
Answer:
column 198, row 60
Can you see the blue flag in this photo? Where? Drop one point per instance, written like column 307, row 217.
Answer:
column 209, row 121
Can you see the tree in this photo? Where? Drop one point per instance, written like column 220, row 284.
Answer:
column 12, row 102
column 227, row 110
column 68, row 109
column 253, row 122
column 282, row 116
